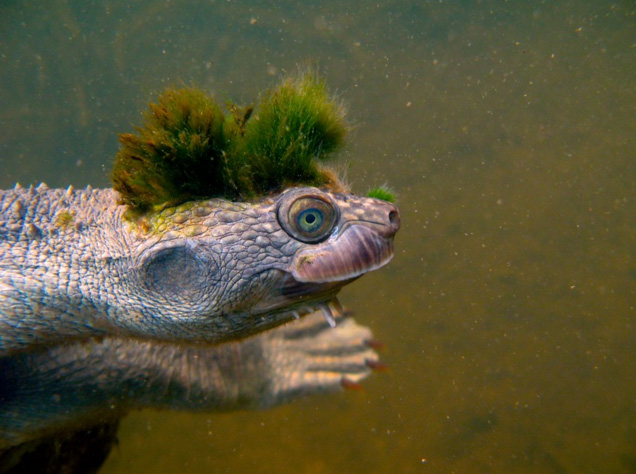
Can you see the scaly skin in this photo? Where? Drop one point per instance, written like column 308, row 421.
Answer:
column 72, row 267
column 100, row 314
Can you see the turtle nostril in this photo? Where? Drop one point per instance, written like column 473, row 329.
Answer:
column 394, row 220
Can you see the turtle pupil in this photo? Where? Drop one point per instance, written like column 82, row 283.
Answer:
column 310, row 220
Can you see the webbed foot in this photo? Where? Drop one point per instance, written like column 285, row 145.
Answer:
column 308, row 356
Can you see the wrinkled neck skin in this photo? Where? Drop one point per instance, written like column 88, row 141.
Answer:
column 72, row 266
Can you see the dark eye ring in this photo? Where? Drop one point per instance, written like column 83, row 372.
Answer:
column 309, row 219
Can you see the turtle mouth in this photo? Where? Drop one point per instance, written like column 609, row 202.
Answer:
column 294, row 299
column 357, row 250
column 318, row 272
column 331, row 310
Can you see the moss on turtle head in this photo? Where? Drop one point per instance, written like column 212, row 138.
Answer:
column 297, row 125
column 382, row 192
column 188, row 148
column 178, row 153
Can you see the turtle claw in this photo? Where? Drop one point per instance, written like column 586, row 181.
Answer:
column 375, row 344
column 349, row 385
column 377, row 365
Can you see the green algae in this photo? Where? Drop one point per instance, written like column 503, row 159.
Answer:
column 297, row 125
column 190, row 148
column 382, row 192
column 64, row 219
column 178, row 154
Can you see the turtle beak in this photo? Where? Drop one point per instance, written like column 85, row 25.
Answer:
column 357, row 250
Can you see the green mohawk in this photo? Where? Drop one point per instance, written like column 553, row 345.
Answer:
column 297, row 125
column 179, row 153
column 188, row 148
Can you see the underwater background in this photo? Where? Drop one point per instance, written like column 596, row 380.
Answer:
column 507, row 130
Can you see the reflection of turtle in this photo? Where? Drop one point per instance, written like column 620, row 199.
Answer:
column 110, row 306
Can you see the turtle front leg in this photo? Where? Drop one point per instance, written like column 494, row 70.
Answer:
column 80, row 385
column 304, row 357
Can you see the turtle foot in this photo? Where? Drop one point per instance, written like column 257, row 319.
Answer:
column 308, row 356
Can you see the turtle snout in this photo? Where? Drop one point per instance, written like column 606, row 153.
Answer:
column 393, row 220
column 387, row 216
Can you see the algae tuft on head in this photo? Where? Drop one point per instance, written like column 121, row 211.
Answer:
column 189, row 148
column 297, row 125
column 383, row 192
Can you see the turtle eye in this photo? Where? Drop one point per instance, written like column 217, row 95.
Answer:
column 310, row 219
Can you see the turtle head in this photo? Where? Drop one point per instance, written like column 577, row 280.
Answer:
column 217, row 270
column 240, row 226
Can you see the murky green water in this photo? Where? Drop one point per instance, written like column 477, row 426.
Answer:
column 509, row 132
